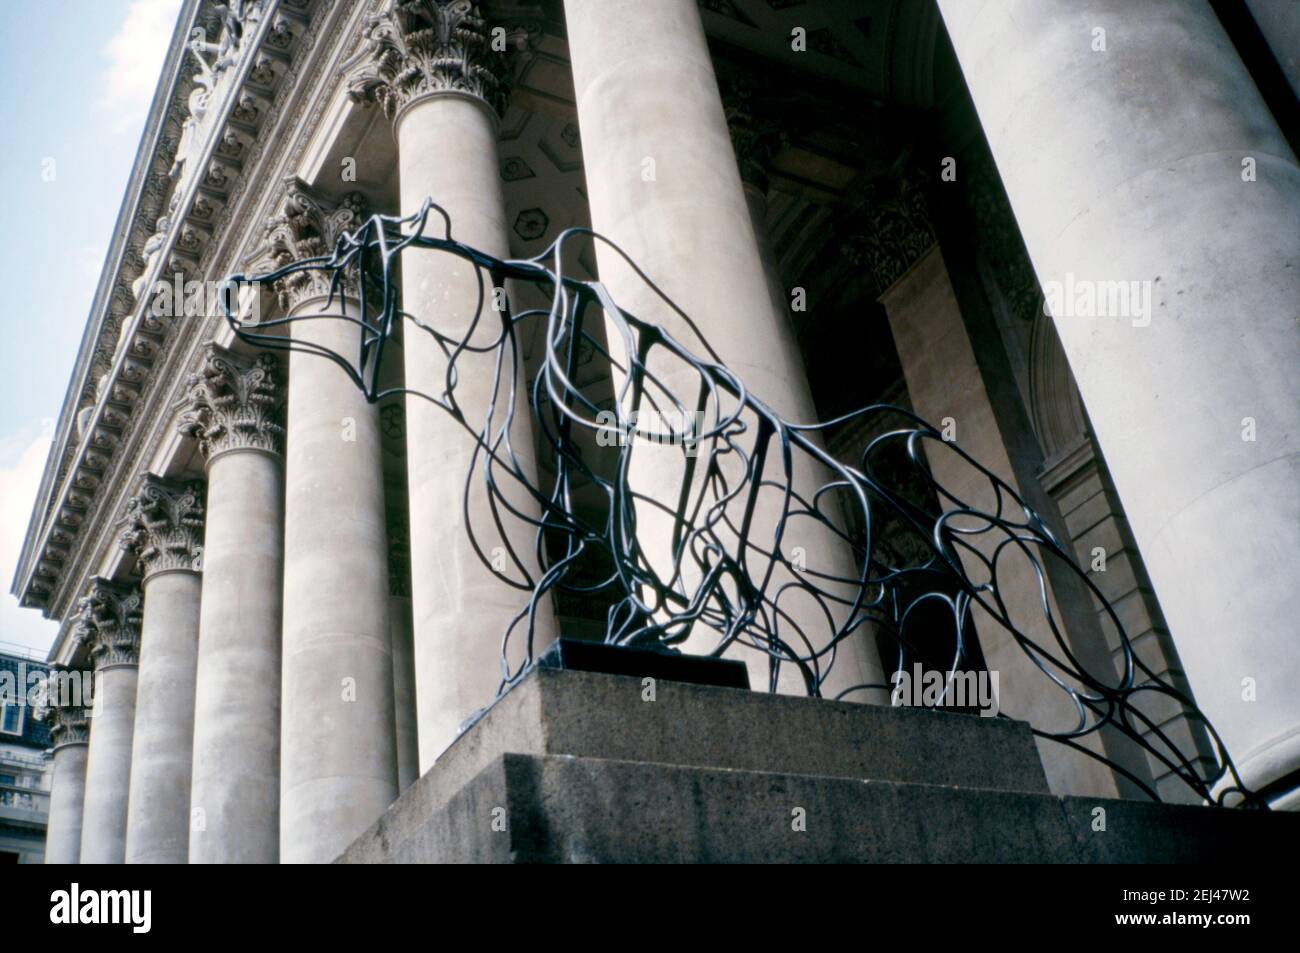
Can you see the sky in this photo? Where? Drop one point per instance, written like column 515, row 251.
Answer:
column 78, row 77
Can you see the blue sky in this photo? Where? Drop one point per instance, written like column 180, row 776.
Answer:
column 79, row 76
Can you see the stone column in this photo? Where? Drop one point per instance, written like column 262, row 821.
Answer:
column 70, row 730
column 664, row 185
column 233, row 408
column 165, row 531
column 445, row 120
column 110, row 621
column 1192, row 387
column 339, row 748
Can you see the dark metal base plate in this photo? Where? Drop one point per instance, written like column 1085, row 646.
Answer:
column 582, row 656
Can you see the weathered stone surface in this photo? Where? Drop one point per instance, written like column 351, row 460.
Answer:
column 558, row 809
column 605, row 716
column 575, row 766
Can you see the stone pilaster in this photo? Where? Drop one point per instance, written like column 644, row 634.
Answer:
column 755, row 137
column 441, row 72
column 233, row 408
column 109, row 619
column 164, row 528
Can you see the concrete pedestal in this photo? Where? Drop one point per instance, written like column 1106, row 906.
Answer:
column 575, row 766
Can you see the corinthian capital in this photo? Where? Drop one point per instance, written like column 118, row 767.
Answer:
column 163, row 525
column 69, row 724
column 109, row 618
column 755, row 137
column 309, row 225
column 233, row 403
column 415, row 48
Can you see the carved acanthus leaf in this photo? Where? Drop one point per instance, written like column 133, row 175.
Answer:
column 233, row 403
column 414, row 48
column 163, row 525
column 109, row 617
column 308, row 225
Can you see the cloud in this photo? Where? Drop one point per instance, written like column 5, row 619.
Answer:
column 135, row 56
column 19, row 482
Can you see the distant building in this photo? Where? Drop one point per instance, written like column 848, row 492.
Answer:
column 24, row 777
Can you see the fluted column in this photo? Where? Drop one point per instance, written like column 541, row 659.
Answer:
column 165, row 531
column 70, row 732
column 339, row 746
column 233, row 408
column 663, row 184
column 110, row 620
column 1191, row 383
column 432, row 68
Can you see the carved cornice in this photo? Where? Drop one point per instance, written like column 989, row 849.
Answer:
column 308, row 225
column 233, row 403
column 323, row 37
column 164, row 525
column 108, row 619
column 416, row 48
column 121, row 355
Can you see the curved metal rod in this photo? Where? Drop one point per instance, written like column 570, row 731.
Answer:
column 725, row 576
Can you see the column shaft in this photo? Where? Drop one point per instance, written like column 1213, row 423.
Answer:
column 67, row 796
column 1191, row 387
column 448, row 151
column 339, row 761
column 158, row 819
column 235, row 788
column 108, row 766
column 663, row 184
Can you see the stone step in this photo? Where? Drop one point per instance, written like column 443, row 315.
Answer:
column 564, row 809
column 575, row 765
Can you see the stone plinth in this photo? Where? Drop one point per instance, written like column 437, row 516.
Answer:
column 577, row 766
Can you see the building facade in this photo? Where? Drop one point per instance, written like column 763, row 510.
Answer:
column 24, row 767
column 1066, row 231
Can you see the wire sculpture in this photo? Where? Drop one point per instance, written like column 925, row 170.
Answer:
column 735, row 454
